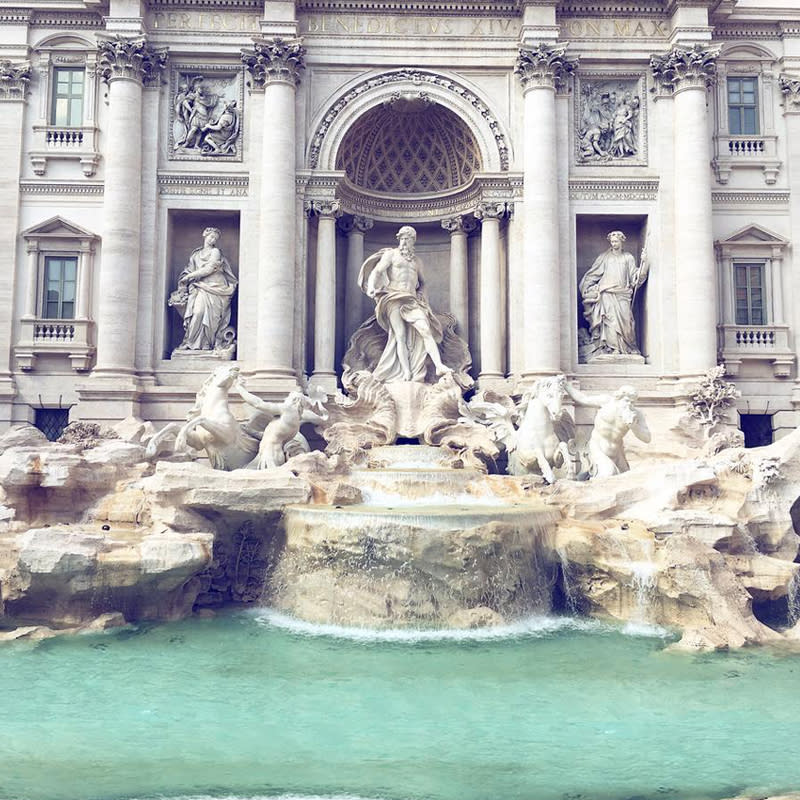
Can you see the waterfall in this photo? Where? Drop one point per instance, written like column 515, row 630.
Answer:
column 793, row 599
column 643, row 584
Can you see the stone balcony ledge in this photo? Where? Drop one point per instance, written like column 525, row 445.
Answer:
column 732, row 152
column 61, row 142
column 70, row 338
column 756, row 343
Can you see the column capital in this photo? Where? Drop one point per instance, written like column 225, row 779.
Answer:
column 494, row 210
column 544, row 66
column 14, row 79
column 355, row 222
column 459, row 224
column 685, row 68
column 275, row 60
column 323, row 208
column 790, row 88
column 129, row 58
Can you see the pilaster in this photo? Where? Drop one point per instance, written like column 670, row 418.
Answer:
column 790, row 88
column 355, row 228
column 459, row 229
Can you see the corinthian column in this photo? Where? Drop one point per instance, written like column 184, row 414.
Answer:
column 541, row 70
column 125, row 64
column 688, row 73
column 325, row 293
column 355, row 228
column 491, row 296
column 459, row 228
column 276, row 64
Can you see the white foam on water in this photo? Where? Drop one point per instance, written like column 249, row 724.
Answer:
column 380, row 497
column 647, row 629
column 534, row 626
column 257, row 797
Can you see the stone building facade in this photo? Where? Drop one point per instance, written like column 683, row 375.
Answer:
column 514, row 135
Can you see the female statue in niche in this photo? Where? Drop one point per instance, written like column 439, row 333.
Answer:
column 607, row 290
column 203, row 298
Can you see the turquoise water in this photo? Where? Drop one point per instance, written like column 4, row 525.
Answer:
column 249, row 705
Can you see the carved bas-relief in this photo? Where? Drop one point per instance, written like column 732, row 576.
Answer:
column 611, row 125
column 203, row 299
column 206, row 116
column 608, row 293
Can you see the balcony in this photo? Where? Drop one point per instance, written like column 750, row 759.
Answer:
column 756, row 343
column 53, row 142
column 732, row 152
column 55, row 337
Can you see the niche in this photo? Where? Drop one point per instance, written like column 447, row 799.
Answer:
column 185, row 235
column 607, row 294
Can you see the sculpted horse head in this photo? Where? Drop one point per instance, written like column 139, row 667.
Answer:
column 549, row 392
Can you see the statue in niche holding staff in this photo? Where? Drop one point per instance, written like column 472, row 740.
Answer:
column 203, row 299
column 608, row 291
column 405, row 340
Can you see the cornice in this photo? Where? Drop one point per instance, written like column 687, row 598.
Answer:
column 66, row 19
column 15, row 16
column 610, row 8
column 747, row 30
column 42, row 187
column 255, row 5
column 494, row 8
column 751, row 197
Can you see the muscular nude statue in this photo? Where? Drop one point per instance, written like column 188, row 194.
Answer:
column 402, row 310
column 616, row 416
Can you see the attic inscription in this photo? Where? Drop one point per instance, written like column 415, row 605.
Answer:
column 407, row 25
column 615, row 28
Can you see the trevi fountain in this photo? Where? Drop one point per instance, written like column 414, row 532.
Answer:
column 412, row 588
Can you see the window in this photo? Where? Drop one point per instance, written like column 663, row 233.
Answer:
column 757, row 429
column 68, row 97
column 60, row 273
column 52, row 421
column 749, row 294
column 743, row 106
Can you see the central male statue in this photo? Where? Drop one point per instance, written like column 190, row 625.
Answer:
column 393, row 278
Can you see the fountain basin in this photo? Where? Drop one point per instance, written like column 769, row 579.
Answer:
column 455, row 566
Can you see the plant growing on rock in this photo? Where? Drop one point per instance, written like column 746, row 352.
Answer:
column 711, row 399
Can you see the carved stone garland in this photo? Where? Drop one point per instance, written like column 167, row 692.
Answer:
column 544, row 65
column 683, row 67
column 133, row 59
column 275, row 60
column 14, row 80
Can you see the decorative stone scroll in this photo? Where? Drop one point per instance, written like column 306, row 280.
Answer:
column 132, row 59
column 206, row 115
column 14, row 80
column 275, row 59
column 544, row 66
column 790, row 88
column 611, row 124
column 683, row 68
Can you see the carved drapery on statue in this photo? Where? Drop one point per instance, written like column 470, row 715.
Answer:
column 405, row 340
column 130, row 58
column 203, row 299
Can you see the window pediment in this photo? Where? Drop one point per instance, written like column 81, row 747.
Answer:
column 57, row 228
